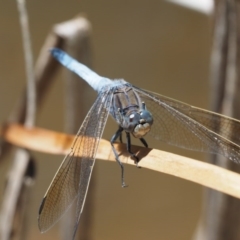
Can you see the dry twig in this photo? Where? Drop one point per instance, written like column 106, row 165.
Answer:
column 17, row 188
column 219, row 220
column 206, row 174
column 45, row 68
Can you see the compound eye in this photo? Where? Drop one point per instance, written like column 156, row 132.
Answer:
column 147, row 116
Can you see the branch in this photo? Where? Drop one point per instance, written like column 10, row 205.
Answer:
column 31, row 85
column 206, row 174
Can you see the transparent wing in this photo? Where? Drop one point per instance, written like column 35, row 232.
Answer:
column 192, row 128
column 72, row 178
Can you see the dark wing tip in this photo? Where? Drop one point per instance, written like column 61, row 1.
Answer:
column 41, row 206
column 39, row 215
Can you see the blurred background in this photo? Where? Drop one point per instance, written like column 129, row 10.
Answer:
column 155, row 45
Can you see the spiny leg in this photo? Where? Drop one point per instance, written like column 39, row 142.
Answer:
column 120, row 116
column 136, row 159
column 113, row 139
column 144, row 142
column 120, row 138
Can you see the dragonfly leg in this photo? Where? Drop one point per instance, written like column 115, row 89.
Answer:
column 136, row 159
column 113, row 139
column 144, row 142
column 120, row 137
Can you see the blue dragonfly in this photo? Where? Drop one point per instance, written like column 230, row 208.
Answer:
column 137, row 112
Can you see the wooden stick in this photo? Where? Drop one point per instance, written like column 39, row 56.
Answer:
column 206, row 174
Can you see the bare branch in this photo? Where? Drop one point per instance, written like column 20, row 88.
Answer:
column 31, row 88
column 219, row 210
column 24, row 111
column 199, row 172
column 16, row 186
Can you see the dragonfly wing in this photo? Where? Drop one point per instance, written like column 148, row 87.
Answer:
column 192, row 128
column 91, row 146
column 72, row 178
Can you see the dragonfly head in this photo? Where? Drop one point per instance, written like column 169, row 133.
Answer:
column 140, row 123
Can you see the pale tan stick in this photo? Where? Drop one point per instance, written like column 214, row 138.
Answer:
column 199, row 172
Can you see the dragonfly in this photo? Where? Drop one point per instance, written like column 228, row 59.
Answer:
column 137, row 112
